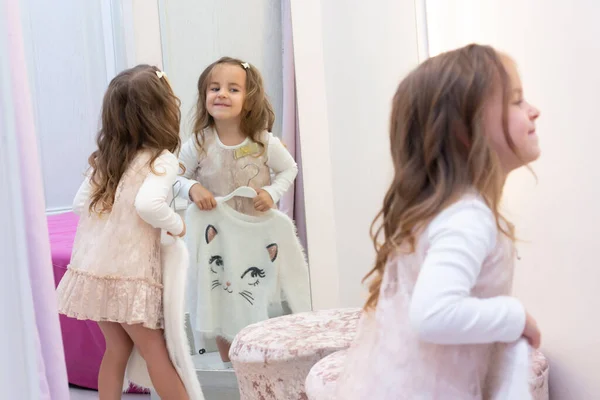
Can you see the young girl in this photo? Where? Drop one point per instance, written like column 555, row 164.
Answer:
column 232, row 145
column 439, row 312
column 115, row 274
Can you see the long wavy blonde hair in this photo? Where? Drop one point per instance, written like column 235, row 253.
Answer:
column 439, row 148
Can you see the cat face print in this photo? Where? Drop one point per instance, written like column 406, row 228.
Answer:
column 239, row 266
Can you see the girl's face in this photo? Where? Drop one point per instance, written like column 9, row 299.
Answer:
column 226, row 92
column 521, row 124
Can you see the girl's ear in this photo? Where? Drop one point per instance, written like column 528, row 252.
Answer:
column 210, row 233
column 273, row 250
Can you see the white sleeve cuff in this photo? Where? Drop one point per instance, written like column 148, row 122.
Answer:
column 151, row 199
column 516, row 317
column 273, row 193
column 443, row 309
column 186, row 186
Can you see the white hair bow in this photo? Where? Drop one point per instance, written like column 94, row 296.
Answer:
column 160, row 74
column 245, row 65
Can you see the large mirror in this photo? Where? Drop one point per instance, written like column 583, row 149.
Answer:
column 246, row 265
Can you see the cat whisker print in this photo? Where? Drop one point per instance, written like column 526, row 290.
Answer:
column 248, row 296
column 245, row 269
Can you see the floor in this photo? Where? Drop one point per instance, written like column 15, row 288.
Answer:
column 209, row 394
column 84, row 394
column 217, row 379
column 210, row 362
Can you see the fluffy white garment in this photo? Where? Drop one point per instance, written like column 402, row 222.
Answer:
column 175, row 260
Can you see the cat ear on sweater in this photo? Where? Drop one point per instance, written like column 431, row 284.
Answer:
column 210, row 233
column 273, row 251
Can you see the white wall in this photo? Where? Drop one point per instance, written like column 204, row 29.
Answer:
column 145, row 24
column 196, row 33
column 74, row 49
column 311, row 99
column 556, row 46
column 68, row 77
column 367, row 51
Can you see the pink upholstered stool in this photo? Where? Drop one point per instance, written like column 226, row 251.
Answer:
column 323, row 376
column 83, row 341
column 321, row 381
column 540, row 370
column 272, row 358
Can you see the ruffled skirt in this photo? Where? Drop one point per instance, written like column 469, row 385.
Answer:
column 87, row 296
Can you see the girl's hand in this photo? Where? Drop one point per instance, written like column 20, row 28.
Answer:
column 263, row 202
column 202, row 197
column 182, row 234
column 532, row 332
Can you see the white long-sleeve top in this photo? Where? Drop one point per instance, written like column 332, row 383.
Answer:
column 152, row 200
column 443, row 311
column 218, row 170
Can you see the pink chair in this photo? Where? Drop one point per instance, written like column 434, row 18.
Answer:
column 300, row 356
column 321, row 381
column 272, row 358
column 82, row 340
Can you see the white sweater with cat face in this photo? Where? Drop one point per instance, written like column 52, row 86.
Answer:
column 239, row 266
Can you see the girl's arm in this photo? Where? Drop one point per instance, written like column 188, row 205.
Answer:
column 189, row 158
column 442, row 309
column 285, row 169
column 151, row 200
column 82, row 196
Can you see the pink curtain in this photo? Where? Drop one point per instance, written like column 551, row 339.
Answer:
column 51, row 369
column 292, row 202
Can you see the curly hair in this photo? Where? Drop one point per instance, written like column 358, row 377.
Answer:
column 139, row 110
column 257, row 111
column 439, row 148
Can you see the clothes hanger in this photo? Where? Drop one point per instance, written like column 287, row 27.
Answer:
column 242, row 191
column 176, row 189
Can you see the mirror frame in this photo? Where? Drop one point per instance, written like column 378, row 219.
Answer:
column 316, row 160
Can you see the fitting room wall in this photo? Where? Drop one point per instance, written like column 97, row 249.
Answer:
column 367, row 51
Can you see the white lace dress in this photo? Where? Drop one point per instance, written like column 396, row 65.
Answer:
column 115, row 271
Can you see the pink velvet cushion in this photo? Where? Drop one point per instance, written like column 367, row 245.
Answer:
column 272, row 358
column 538, row 381
column 82, row 340
column 323, row 376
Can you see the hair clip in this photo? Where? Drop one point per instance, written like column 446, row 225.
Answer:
column 160, row 74
column 245, row 65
